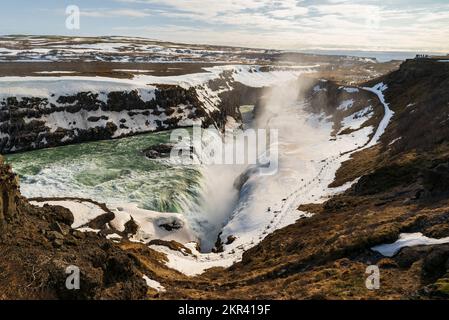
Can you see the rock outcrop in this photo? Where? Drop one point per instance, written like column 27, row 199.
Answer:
column 37, row 246
column 9, row 194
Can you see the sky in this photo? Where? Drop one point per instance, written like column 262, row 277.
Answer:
column 388, row 25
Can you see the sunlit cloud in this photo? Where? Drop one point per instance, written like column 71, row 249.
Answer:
column 104, row 13
column 283, row 24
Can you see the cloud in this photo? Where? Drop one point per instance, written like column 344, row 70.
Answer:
column 346, row 10
column 289, row 13
column 361, row 24
column 204, row 10
column 109, row 13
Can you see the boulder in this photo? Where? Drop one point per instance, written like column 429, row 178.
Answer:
column 131, row 227
column 436, row 263
column 60, row 214
column 100, row 222
column 158, row 151
column 170, row 224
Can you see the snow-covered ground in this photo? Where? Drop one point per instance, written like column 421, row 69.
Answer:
column 115, row 49
column 154, row 284
column 45, row 87
column 150, row 223
column 388, row 113
column 407, row 240
column 54, row 72
column 356, row 120
column 245, row 74
column 345, row 105
column 83, row 211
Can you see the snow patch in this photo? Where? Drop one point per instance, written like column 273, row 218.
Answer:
column 318, row 88
column 153, row 284
column 54, row 72
column 407, row 240
column 351, row 90
column 195, row 263
column 378, row 90
column 113, row 236
column 394, row 141
column 88, row 230
column 151, row 224
column 45, row 87
column 133, row 70
column 356, row 120
column 345, row 105
column 82, row 211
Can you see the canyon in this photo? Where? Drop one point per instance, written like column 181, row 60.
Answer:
column 363, row 162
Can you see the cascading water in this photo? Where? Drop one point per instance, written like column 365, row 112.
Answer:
column 219, row 193
column 229, row 189
column 114, row 172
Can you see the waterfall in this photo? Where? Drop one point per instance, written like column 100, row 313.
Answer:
column 227, row 189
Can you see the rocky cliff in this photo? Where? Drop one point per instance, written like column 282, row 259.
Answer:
column 9, row 194
column 65, row 111
column 38, row 245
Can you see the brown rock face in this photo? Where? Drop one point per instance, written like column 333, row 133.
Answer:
column 9, row 193
column 40, row 238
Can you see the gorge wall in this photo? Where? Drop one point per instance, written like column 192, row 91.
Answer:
column 39, row 113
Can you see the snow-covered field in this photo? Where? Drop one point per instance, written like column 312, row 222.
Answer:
column 115, row 49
